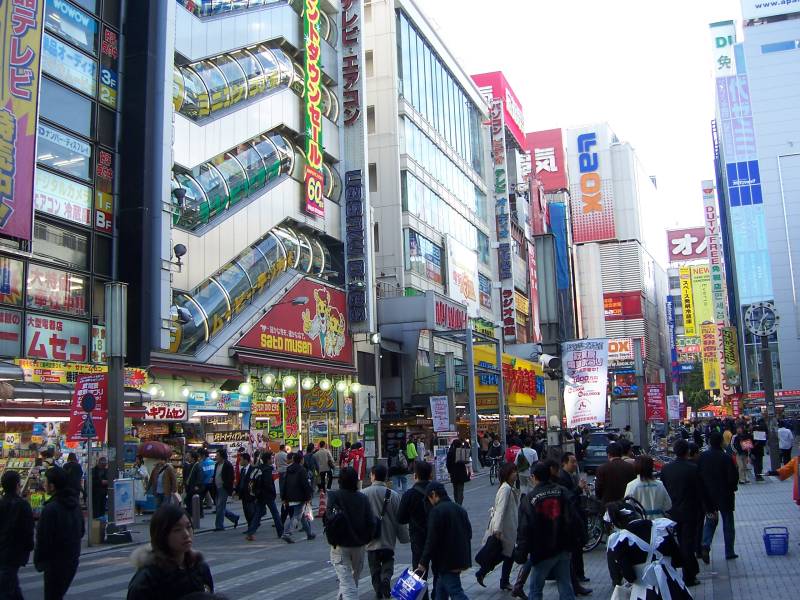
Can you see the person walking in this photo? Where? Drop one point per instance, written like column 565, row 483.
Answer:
column 411, row 450
column 742, row 445
column 16, row 535
column 223, row 488
column 385, row 504
column 244, row 490
column 359, row 462
column 208, row 467
column 613, row 476
column 547, row 532
column 785, row 442
column 682, row 481
column 483, row 452
column 503, row 526
column 527, row 457
column 58, row 535
column 139, row 475
column 414, row 509
column 568, row 479
column 296, row 492
column 325, row 466
column 759, row 435
column 457, row 469
column 310, row 464
column 169, row 568
column 193, row 484
column 163, row 482
column 99, row 488
column 719, row 478
column 447, row 544
column 398, row 469
column 349, row 527
column 74, row 473
column 647, row 490
column 262, row 488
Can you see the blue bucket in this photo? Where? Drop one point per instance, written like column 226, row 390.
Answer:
column 776, row 540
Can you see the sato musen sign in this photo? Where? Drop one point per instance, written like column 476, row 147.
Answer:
column 585, row 365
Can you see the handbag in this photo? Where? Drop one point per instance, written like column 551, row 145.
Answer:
column 491, row 554
column 409, row 586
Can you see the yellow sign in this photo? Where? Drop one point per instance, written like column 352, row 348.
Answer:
column 53, row 371
column 687, row 302
column 483, row 327
column 701, row 295
column 522, row 381
column 708, row 340
column 522, row 304
column 730, row 344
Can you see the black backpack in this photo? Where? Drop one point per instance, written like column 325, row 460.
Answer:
column 338, row 529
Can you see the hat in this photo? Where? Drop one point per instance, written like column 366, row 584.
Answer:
column 436, row 486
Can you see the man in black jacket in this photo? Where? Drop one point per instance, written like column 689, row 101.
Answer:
column 682, row 481
column 414, row 509
column 58, row 535
column 243, row 488
column 447, row 545
column 16, row 535
column 720, row 482
column 567, row 477
column 295, row 493
column 223, row 483
column 74, row 473
column 262, row 487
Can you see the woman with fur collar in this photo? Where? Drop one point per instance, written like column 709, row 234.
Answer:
column 169, row 568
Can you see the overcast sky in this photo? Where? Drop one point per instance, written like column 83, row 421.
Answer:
column 644, row 66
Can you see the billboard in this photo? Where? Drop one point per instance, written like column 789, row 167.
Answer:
column 21, row 36
column 53, row 338
column 548, row 160
column 533, row 274
column 687, row 244
column 716, row 263
column 655, row 402
column 701, row 294
column 314, row 184
column 592, row 203
column 622, row 305
column 687, row 302
column 314, row 330
column 688, row 348
column 585, row 365
column 620, row 350
column 760, row 9
column 708, row 340
column 730, row 345
column 494, row 85
column 462, row 275
column 673, row 351
column 724, row 36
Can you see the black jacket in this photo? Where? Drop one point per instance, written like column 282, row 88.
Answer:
column 448, row 542
column 159, row 580
column 413, row 511
column 193, row 484
column 243, row 487
column 98, row 476
column 682, row 480
column 548, row 524
column 457, row 470
column 295, row 486
column 227, row 476
column 16, row 531
column 74, row 475
column 359, row 514
column 60, row 530
column 720, row 480
column 263, row 484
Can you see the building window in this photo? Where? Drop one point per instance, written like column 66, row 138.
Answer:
column 370, row 119
column 67, row 246
column 483, row 248
column 373, row 177
column 57, row 291
column 65, row 107
column 370, row 63
column 365, row 362
column 367, row 13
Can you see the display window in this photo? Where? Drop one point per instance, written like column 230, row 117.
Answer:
column 11, row 272
column 56, row 242
column 66, row 64
column 63, row 106
column 63, row 152
column 56, row 290
column 63, row 198
column 72, row 24
column 54, row 338
column 10, row 332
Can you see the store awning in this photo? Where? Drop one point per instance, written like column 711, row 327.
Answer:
column 295, row 364
column 177, row 367
column 31, row 395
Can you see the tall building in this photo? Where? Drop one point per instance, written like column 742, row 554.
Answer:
column 756, row 138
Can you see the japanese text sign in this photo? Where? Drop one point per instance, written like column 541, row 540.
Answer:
column 585, row 366
column 51, row 338
column 95, row 385
column 654, row 402
column 165, row 411
column 687, row 244
column 315, row 202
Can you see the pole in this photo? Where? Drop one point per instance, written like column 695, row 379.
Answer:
column 473, row 405
column 501, row 392
column 378, row 434
column 644, row 439
column 88, row 489
column 116, row 312
column 769, row 400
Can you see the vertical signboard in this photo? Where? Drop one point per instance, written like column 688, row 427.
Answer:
column 701, row 294
column 724, row 36
column 356, row 214
column 716, row 266
column 494, row 85
column 95, row 385
column 585, row 364
column 536, row 326
column 503, row 219
column 708, row 341
column 592, row 205
column 548, row 161
column 674, row 408
column 315, row 202
column 687, row 302
column 21, row 37
column 673, row 350
column 730, row 352
column 440, row 413
column 687, row 244
column 655, row 402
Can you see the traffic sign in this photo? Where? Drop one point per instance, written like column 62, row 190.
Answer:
column 87, row 429
column 88, row 402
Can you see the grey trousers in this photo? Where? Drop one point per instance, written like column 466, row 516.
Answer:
column 348, row 563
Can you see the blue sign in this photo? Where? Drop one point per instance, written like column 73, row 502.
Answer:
column 487, row 379
column 225, row 401
column 744, row 183
column 686, row 368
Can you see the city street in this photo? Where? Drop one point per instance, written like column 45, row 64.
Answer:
column 271, row 569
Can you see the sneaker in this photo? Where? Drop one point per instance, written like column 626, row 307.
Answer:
column 236, row 522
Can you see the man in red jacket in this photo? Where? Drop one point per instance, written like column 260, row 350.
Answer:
column 358, row 462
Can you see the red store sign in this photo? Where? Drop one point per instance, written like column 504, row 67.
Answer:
column 449, row 316
column 164, row 411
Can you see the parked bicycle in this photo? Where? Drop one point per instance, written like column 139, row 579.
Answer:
column 494, row 469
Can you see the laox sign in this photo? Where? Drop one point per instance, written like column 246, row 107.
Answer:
column 450, row 316
column 588, row 165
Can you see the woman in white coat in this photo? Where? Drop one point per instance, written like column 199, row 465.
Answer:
column 503, row 526
column 647, row 490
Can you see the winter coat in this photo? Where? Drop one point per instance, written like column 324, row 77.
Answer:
column 157, row 579
column 720, row 480
column 227, row 475
column 194, row 482
column 296, row 487
column 651, row 494
column 264, row 484
column 682, row 480
column 324, row 460
column 170, row 481
column 548, row 524
column 413, row 510
column 612, row 478
column 505, row 518
column 457, row 470
column 16, row 531
column 243, row 485
column 74, row 475
column 359, row 514
column 448, row 542
column 391, row 530
column 60, row 530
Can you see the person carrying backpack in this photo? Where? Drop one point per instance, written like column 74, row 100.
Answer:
column 350, row 525
column 414, row 509
column 262, row 490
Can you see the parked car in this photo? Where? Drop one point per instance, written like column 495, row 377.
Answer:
column 595, row 454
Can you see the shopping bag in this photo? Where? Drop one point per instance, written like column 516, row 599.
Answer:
column 409, row 586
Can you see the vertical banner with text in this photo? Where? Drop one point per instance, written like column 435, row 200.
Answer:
column 315, row 201
column 585, row 365
column 655, row 402
column 95, row 385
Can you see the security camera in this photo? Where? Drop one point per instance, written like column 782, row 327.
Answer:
column 180, row 196
column 549, row 362
column 180, row 251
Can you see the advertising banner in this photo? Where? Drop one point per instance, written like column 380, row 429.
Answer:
column 53, row 338
column 548, row 160
column 687, row 301
column 11, row 281
column 21, row 36
column 494, row 85
column 730, row 344
column 536, row 326
column 291, row 420
column 124, row 502
column 708, row 340
column 165, row 411
column 62, row 197
column 315, row 202
column 316, row 330
column 56, row 290
column 440, row 413
column 673, row 352
column 462, row 275
column 68, row 65
column 585, row 364
column 620, row 350
column 655, row 402
column 723, row 34
column 687, row 244
column 97, row 386
column 674, row 408
column 623, row 305
column 760, row 9
column 592, row 203
column 701, row 294
column 689, row 349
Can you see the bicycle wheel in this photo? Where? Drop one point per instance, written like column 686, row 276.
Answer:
column 492, row 474
column 594, row 532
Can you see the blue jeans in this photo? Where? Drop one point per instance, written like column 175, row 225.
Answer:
column 222, row 512
column 400, row 483
column 558, row 567
column 728, row 530
column 447, row 585
column 295, row 513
